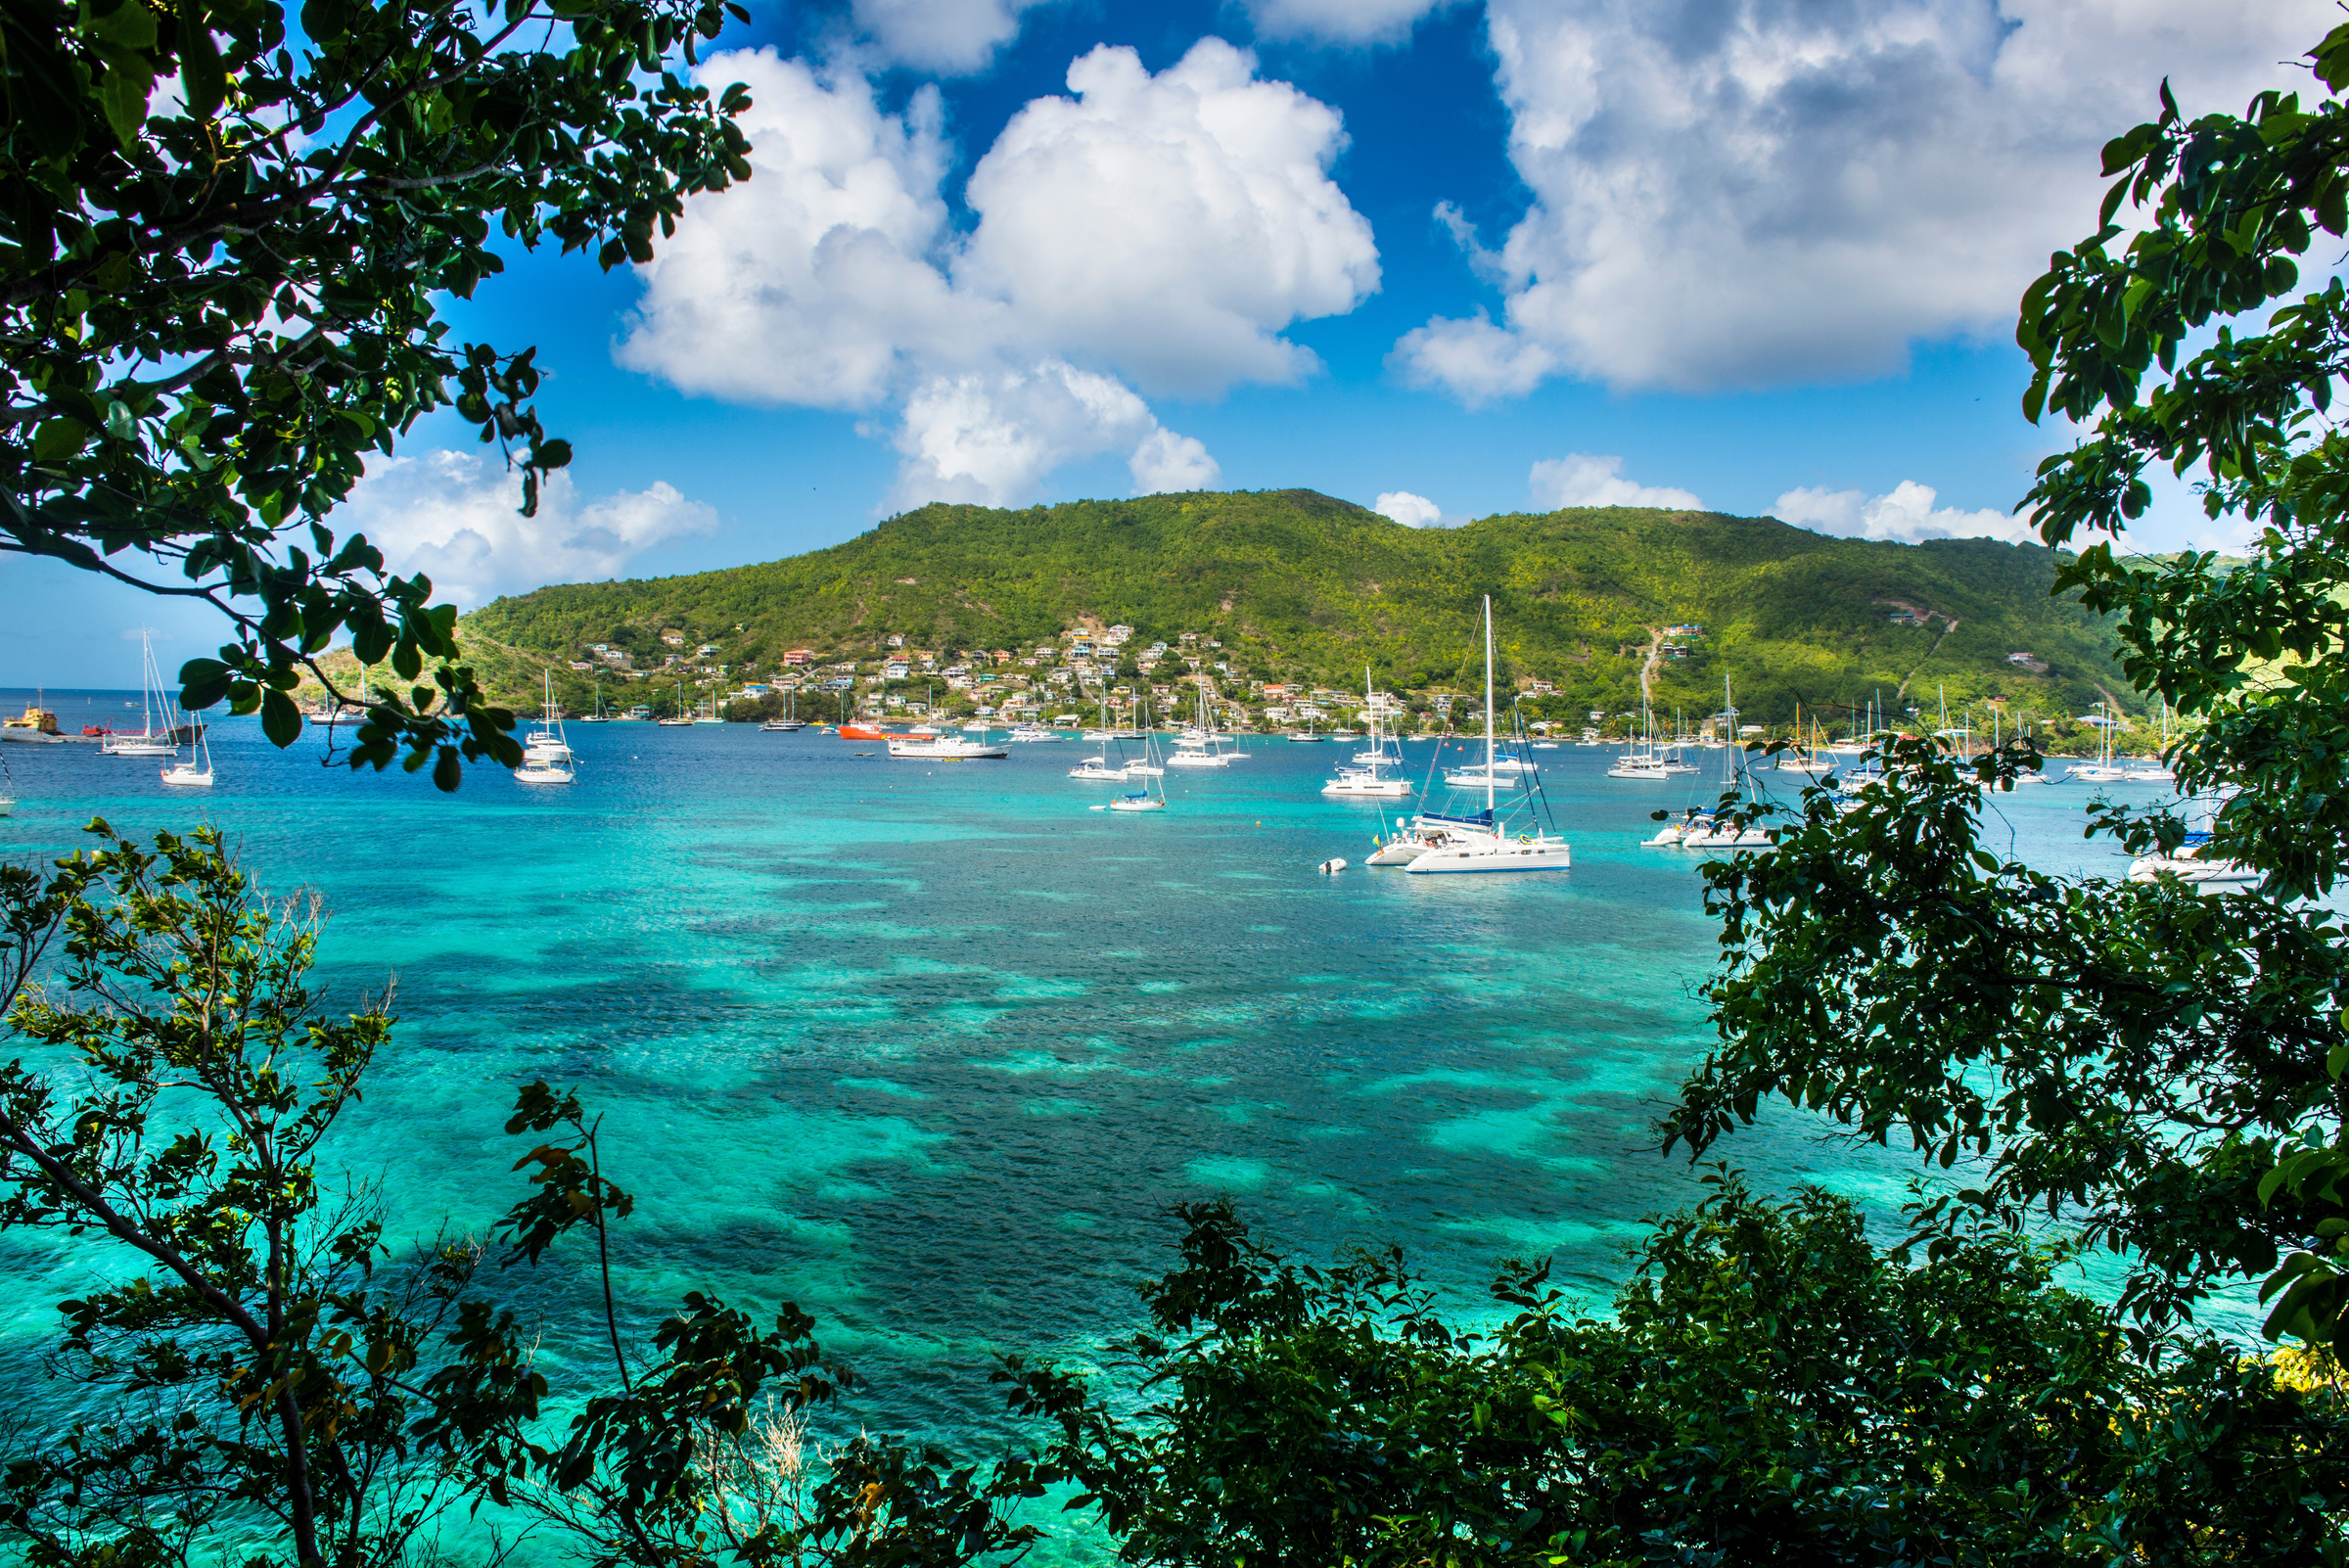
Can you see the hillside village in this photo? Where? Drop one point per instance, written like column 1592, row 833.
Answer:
column 1282, row 606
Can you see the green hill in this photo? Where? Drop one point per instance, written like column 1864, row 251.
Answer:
column 1295, row 584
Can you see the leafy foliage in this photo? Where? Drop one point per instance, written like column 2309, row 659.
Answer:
column 2165, row 1067
column 272, row 1370
column 1772, row 1389
column 1296, row 584
column 217, row 302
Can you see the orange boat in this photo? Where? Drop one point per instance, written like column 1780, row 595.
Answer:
column 863, row 732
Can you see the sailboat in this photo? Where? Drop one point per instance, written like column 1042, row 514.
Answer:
column 2156, row 770
column 547, row 759
column 1096, row 768
column 1198, row 746
column 684, row 714
column 197, row 772
column 599, row 717
column 1149, row 767
column 1364, row 780
column 149, row 741
column 545, row 742
column 1642, row 761
column 2104, row 770
column 790, row 718
column 1534, row 850
column 8, row 794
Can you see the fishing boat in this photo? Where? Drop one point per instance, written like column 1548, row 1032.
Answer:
column 36, row 725
column 1532, row 850
column 547, row 760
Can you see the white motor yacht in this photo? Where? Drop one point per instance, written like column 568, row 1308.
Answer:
column 945, row 749
column 1096, row 771
column 1029, row 734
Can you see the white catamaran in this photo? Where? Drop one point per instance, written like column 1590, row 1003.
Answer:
column 1534, row 850
column 1364, row 779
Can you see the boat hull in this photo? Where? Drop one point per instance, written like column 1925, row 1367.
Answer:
column 1538, row 855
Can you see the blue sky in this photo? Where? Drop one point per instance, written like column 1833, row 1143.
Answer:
column 1444, row 259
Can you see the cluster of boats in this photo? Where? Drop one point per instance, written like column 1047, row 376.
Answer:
column 164, row 731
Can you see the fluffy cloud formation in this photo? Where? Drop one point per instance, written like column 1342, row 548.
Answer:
column 1163, row 230
column 1581, row 479
column 1164, row 463
column 1339, row 20
column 1169, row 226
column 1758, row 192
column 1905, row 514
column 1411, row 511
column 455, row 518
column 948, row 37
column 990, row 437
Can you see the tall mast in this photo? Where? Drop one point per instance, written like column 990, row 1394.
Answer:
column 1488, row 705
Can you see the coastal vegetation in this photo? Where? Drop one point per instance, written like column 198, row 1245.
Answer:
column 2149, row 1071
column 224, row 280
column 1300, row 588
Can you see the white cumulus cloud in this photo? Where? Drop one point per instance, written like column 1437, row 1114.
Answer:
column 1165, row 463
column 1169, row 226
column 804, row 285
column 1904, row 514
column 1581, row 479
column 948, row 36
column 1411, row 511
column 1339, row 20
column 1760, row 192
column 990, row 437
column 456, row 518
column 1152, row 232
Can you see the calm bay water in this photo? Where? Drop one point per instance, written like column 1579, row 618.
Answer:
column 931, row 1047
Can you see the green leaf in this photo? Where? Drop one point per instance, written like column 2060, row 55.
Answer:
column 281, row 720
column 204, row 79
column 58, row 439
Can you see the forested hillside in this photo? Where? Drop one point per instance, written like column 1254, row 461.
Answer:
column 1295, row 584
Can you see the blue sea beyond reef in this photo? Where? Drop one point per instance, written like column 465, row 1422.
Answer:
column 931, row 1047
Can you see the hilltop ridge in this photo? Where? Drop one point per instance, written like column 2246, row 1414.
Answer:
column 1299, row 586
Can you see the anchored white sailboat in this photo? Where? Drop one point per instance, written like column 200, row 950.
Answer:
column 197, row 772
column 153, row 705
column 547, row 759
column 1200, row 746
column 1534, row 850
column 1366, row 780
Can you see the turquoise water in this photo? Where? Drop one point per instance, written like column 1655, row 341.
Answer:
column 931, row 1047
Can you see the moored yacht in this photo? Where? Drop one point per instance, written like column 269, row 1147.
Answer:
column 1528, row 851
